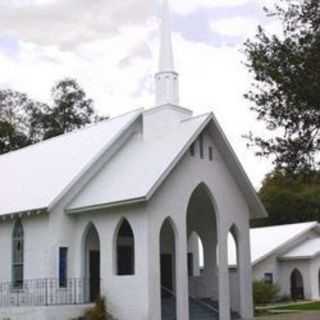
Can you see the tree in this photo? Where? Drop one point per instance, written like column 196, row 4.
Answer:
column 71, row 109
column 24, row 121
column 16, row 120
column 290, row 198
column 285, row 93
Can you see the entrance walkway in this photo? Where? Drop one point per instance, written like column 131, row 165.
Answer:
column 205, row 309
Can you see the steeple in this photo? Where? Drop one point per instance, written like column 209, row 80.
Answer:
column 167, row 84
column 166, row 61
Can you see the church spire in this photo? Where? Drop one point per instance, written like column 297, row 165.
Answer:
column 166, row 61
column 167, row 87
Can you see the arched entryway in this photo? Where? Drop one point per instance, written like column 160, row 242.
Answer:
column 234, row 270
column 297, row 287
column 92, row 263
column 202, row 222
column 168, row 270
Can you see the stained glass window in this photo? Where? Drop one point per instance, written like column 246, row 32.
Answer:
column 17, row 255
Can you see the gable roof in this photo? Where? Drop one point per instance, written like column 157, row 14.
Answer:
column 33, row 177
column 140, row 167
column 153, row 156
column 306, row 250
column 267, row 241
column 39, row 175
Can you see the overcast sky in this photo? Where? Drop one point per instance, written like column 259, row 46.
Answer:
column 111, row 48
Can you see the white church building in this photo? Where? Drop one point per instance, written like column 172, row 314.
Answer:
column 112, row 209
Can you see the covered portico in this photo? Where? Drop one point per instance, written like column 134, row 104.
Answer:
column 182, row 289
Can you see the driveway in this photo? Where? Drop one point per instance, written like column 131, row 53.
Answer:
column 296, row 316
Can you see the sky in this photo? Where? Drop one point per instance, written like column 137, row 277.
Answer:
column 111, row 48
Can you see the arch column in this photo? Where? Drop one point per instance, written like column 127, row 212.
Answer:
column 182, row 278
column 224, row 290
column 245, row 274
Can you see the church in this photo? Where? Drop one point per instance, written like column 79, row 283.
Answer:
column 117, row 209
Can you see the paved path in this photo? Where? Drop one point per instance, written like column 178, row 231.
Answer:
column 297, row 316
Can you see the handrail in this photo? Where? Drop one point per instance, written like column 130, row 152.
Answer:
column 47, row 292
column 193, row 299
column 200, row 302
column 168, row 291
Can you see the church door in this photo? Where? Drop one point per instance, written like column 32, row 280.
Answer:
column 166, row 273
column 94, row 269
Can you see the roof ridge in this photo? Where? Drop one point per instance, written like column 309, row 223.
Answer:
column 60, row 136
column 167, row 105
column 197, row 116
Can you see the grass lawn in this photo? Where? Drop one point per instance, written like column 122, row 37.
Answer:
column 310, row 306
column 301, row 308
column 304, row 315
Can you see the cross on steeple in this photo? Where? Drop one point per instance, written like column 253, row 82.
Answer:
column 167, row 84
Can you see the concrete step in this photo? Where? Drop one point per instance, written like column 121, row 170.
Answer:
column 198, row 310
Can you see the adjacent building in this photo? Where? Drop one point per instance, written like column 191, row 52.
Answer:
column 288, row 255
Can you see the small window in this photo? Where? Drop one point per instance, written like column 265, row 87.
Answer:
column 192, row 150
column 63, row 267
column 201, row 146
column 210, row 150
column 268, row 278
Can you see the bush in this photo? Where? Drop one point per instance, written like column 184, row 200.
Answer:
column 264, row 293
column 99, row 311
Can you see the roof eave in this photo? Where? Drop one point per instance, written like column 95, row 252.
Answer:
column 25, row 213
column 256, row 206
column 108, row 205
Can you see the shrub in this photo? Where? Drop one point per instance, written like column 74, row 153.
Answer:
column 99, row 311
column 264, row 293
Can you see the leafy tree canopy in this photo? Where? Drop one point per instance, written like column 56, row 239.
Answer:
column 24, row 121
column 286, row 90
column 17, row 129
column 290, row 198
column 71, row 109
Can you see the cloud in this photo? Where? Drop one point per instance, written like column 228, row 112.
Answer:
column 68, row 23
column 185, row 7
column 235, row 26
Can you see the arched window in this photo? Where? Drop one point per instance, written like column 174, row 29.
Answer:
column 125, row 249
column 17, row 254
